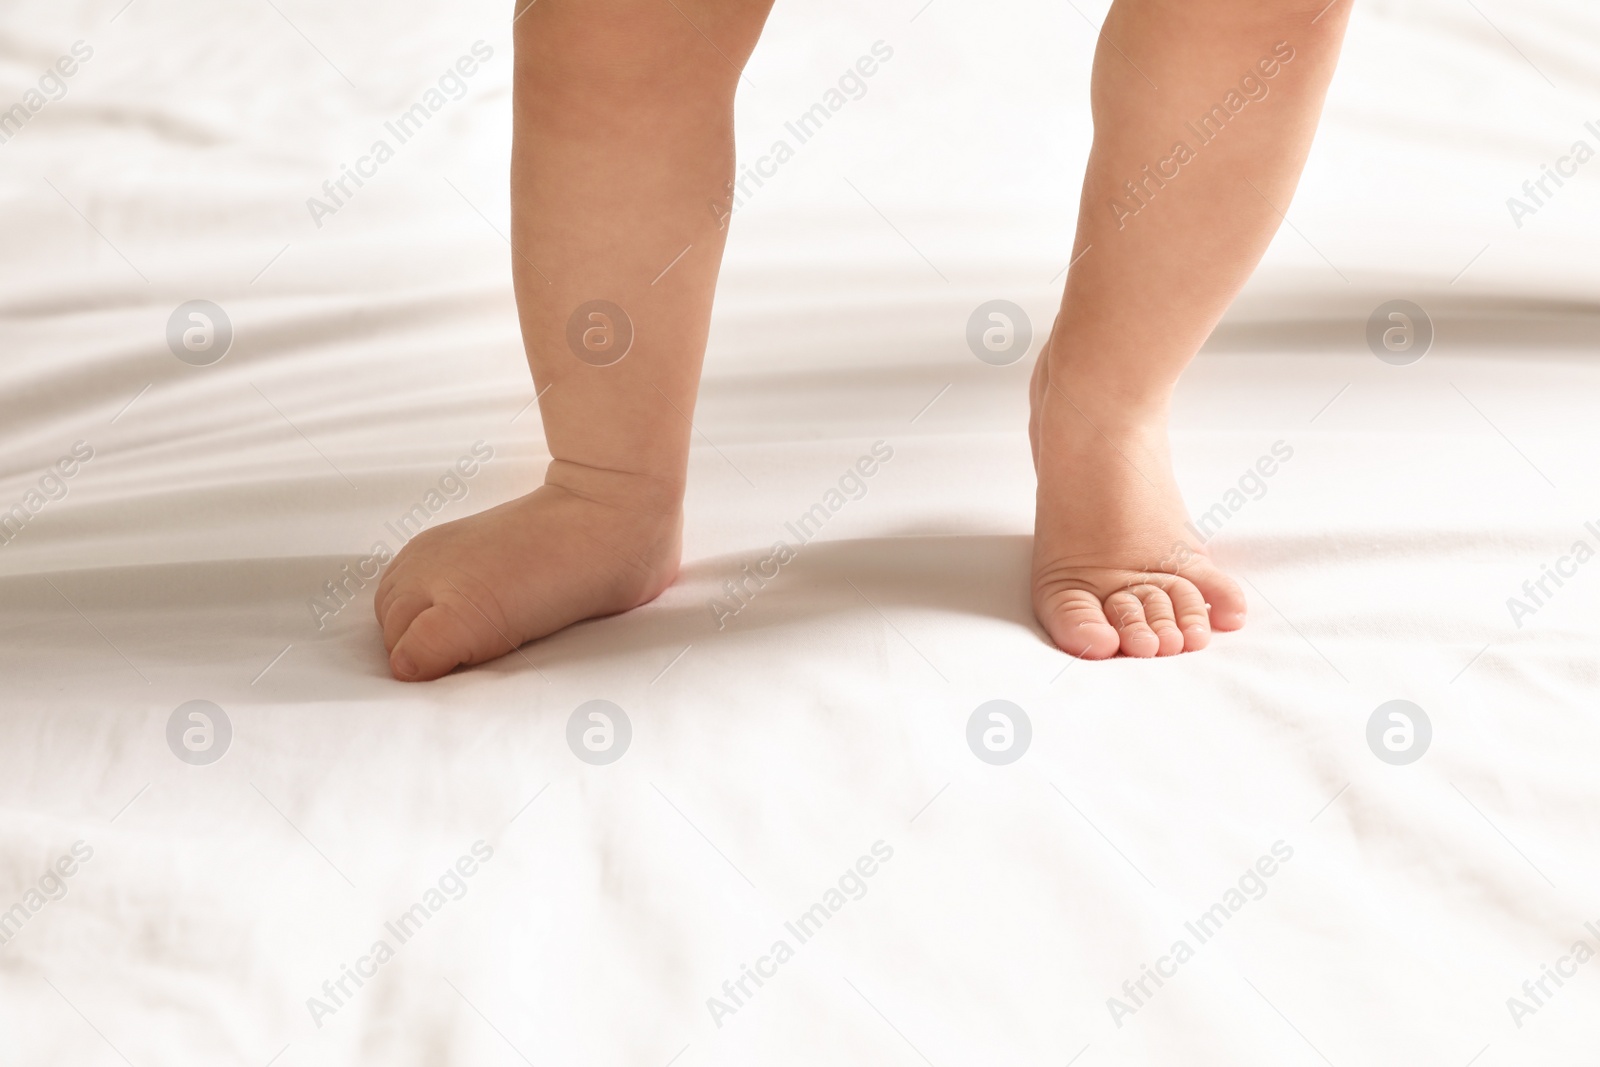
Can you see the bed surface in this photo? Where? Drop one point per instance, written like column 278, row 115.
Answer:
column 822, row 731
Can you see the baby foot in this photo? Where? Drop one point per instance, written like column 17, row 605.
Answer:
column 1115, row 566
column 585, row 543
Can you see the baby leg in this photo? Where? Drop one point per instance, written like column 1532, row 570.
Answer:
column 1204, row 112
column 622, row 155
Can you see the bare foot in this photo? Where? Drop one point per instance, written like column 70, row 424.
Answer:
column 1115, row 566
column 586, row 543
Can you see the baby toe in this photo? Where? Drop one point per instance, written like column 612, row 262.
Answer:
column 1077, row 624
column 399, row 607
column 1161, row 617
column 1190, row 606
column 1222, row 595
column 1126, row 610
column 437, row 641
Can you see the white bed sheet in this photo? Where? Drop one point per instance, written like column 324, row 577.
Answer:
column 830, row 714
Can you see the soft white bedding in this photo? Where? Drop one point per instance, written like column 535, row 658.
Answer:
column 825, row 724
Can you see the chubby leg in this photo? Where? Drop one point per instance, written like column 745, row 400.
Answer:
column 1204, row 113
column 622, row 154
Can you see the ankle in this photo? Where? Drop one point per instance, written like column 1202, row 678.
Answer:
column 647, row 495
column 1105, row 392
column 1108, row 407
